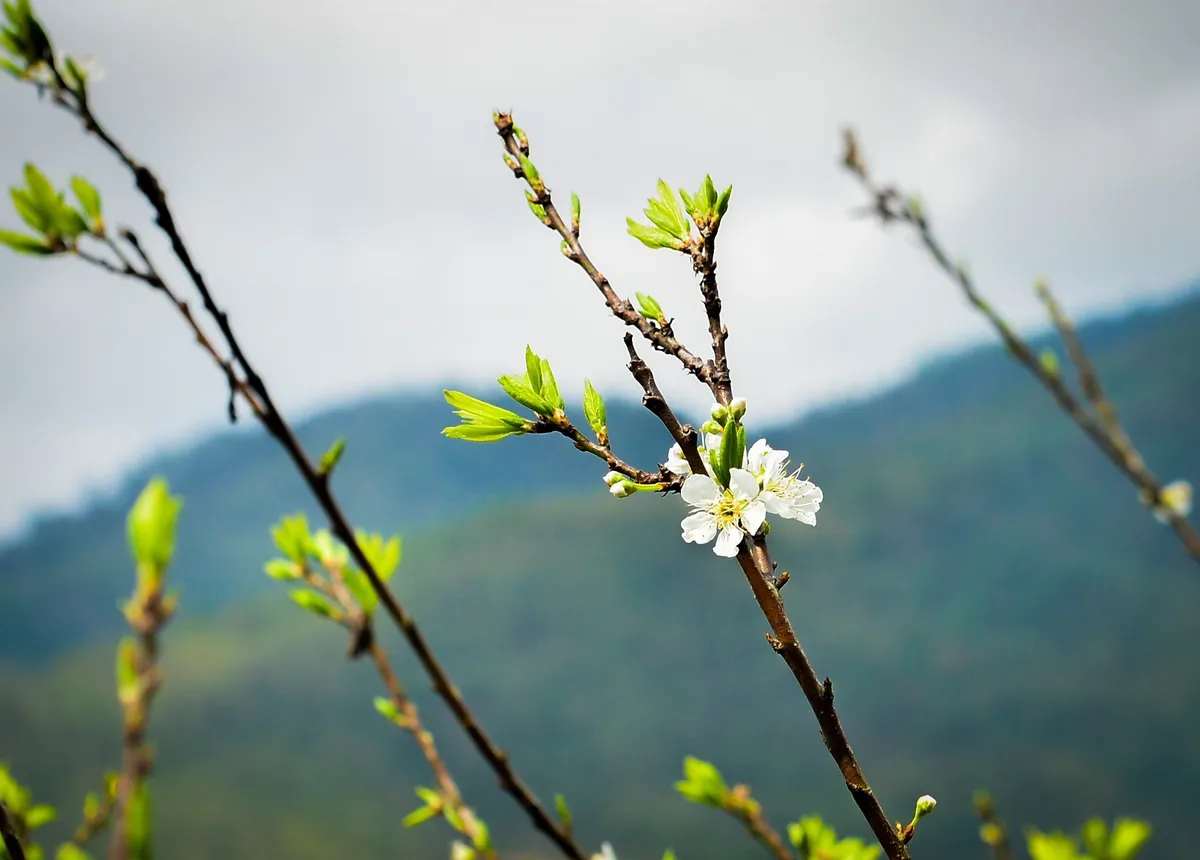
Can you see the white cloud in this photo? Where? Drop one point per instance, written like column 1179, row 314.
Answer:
column 338, row 179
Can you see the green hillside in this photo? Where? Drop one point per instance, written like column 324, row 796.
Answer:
column 992, row 602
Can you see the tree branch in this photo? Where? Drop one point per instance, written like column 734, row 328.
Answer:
column 253, row 388
column 889, row 205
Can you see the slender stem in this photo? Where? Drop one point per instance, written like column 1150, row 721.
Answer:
column 411, row 721
column 254, row 390
column 661, row 338
column 759, row 570
column 146, row 613
column 889, row 205
column 9, row 835
column 750, row 815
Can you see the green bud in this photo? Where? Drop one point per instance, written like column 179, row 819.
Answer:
column 712, row 428
column 576, row 213
column 594, row 411
column 650, row 308
column 331, row 457
column 317, row 604
column 1048, row 359
column 388, row 708
column 282, row 569
column 151, row 525
column 737, row 408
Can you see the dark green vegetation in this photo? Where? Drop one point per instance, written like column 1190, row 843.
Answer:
column 993, row 603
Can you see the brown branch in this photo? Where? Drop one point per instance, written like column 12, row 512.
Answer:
column 704, row 264
column 755, row 562
column 654, row 401
column 604, row 452
column 661, row 338
column 889, row 205
column 757, row 566
column 9, row 835
column 253, row 388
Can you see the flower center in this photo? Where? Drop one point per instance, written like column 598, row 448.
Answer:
column 729, row 509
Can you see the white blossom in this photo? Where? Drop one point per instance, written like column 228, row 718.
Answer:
column 788, row 496
column 724, row 513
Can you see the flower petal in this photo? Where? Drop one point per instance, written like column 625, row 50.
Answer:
column 700, row 491
column 753, row 516
column 743, row 484
column 728, row 541
column 699, row 527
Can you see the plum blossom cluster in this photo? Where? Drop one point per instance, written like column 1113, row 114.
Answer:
column 730, row 500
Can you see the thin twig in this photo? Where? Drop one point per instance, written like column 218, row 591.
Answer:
column 661, row 338
column 746, row 810
column 9, row 834
column 253, row 388
column 758, row 568
column 753, row 555
column 889, row 205
column 147, row 611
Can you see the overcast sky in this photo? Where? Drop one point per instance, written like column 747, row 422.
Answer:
column 334, row 169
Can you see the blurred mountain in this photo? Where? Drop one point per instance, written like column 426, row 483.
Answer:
column 994, row 606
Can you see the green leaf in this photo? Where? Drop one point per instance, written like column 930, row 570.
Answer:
column 526, row 396
column 594, row 411
column 331, row 457
column 330, row 552
column 533, row 370
column 1051, row 846
column 652, row 237
column 689, row 204
column 30, row 213
column 480, row 432
column 71, row 851
column 25, row 244
column 151, row 525
column 564, row 811
column 650, row 308
column 1048, row 358
column 388, row 708
column 282, row 569
column 69, row 222
column 292, row 537
column 731, row 449
column 88, row 197
column 710, row 195
column 702, row 782
column 467, row 406
column 550, row 388
column 672, row 209
column 360, row 588
column 91, row 805
column 41, row 190
column 315, row 603
column 39, row 815
column 384, row 556
column 723, row 201
column 431, row 809
column 1128, row 837
column 531, row 172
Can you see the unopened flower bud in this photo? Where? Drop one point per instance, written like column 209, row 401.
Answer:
column 925, row 805
column 613, row 478
column 719, row 413
column 623, row 489
column 712, row 428
column 737, row 408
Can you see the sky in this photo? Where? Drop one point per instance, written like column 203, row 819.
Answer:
column 334, row 170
